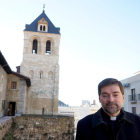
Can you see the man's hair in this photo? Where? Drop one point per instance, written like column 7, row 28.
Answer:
column 110, row 81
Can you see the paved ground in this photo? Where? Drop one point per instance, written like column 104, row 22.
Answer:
column 5, row 119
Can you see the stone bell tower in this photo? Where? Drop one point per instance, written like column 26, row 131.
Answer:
column 41, row 64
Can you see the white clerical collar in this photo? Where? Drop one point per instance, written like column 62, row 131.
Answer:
column 113, row 118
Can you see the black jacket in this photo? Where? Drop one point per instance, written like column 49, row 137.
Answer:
column 94, row 127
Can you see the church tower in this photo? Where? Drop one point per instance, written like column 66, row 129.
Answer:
column 41, row 64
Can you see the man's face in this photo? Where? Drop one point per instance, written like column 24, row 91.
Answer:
column 111, row 99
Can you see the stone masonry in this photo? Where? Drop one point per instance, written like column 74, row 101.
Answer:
column 42, row 128
column 17, row 95
column 43, row 70
column 3, row 87
column 5, row 125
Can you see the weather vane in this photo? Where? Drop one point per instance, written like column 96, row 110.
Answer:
column 43, row 7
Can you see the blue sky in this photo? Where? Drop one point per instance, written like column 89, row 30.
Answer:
column 99, row 39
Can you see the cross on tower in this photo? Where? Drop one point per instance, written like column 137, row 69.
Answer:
column 43, row 8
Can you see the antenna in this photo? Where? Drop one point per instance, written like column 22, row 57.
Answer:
column 43, row 8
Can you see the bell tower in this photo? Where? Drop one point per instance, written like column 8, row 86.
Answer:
column 41, row 64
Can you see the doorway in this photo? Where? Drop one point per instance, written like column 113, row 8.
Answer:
column 12, row 106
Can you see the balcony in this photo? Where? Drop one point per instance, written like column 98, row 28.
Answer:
column 133, row 98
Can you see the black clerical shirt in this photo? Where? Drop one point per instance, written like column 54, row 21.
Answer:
column 113, row 125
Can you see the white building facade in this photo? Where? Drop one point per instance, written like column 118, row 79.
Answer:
column 132, row 94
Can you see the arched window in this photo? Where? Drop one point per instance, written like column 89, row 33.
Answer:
column 43, row 28
column 50, row 75
column 31, row 73
column 48, row 47
column 41, row 74
column 34, row 51
column 40, row 27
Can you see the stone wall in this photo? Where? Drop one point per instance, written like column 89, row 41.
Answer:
column 3, row 88
column 17, row 95
column 5, row 127
column 43, row 128
column 43, row 69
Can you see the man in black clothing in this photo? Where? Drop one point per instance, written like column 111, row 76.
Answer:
column 110, row 122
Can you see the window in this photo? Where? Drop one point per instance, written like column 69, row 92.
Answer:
column 31, row 73
column 134, row 110
column 43, row 111
column 13, row 85
column 133, row 94
column 34, row 51
column 40, row 27
column 43, row 28
column 2, row 80
column 50, row 75
column 3, row 104
column 138, row 97
column 48, row 47
column 41, row 74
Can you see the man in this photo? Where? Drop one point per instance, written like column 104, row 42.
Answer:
column 110, row 122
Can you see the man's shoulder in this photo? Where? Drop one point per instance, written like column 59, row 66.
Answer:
column 87, row 118
column 133, row 117
column 86, row 121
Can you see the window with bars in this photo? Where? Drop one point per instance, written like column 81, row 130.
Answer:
column 13, row 85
